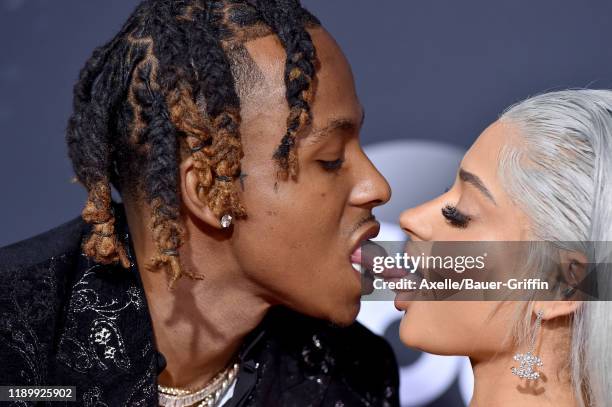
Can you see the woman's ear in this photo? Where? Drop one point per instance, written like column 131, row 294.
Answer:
column 193, row 197
column 573, row 269
column 573, row 273
column 556, row 309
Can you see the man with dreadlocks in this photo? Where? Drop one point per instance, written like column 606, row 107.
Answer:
column 230, row 129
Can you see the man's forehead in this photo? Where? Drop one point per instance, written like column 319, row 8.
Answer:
column 268, row 55
column 335, row 105
column 258, row 67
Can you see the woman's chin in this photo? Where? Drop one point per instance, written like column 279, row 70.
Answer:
column 410, row 335
column 425, row 341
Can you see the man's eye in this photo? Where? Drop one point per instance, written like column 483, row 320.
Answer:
column 331, row 165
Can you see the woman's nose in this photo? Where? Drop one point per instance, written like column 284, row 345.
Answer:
column 417, row 221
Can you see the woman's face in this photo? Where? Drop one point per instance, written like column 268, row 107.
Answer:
column 477, row 209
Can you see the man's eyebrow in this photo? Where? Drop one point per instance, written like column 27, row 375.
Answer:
column 340, row 123
column 473, row 179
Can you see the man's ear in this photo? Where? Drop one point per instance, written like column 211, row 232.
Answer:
column 193, row 196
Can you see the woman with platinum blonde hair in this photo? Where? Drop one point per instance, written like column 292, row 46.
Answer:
column 541, row 172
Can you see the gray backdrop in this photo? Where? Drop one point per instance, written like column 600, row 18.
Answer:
column 437, row 70
column 431, row 75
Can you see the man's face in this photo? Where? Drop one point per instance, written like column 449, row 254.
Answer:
column 296, row 243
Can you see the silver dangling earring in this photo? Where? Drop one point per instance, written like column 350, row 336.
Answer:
column 226, row 221
column 529, row 360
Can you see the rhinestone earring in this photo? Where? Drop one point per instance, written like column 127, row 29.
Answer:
column 529, row 359
column 226, row 221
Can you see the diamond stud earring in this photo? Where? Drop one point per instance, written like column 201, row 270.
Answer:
column 529, row 360
column 226, row 221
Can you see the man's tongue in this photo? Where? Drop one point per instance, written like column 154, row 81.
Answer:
column 366, row 253
column 356, row 255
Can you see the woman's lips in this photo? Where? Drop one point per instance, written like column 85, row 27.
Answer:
column 401, row 305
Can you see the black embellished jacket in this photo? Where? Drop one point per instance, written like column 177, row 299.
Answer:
column 66, row 320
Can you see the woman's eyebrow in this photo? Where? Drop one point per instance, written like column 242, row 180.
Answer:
column 473, row 179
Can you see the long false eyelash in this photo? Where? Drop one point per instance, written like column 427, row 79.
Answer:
column 455, row 217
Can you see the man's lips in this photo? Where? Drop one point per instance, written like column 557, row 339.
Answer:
column 370, row 233
column 356, row 256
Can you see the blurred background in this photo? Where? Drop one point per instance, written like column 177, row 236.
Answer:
column 430, row 74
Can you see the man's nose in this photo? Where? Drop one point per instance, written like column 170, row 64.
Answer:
column 371, row 189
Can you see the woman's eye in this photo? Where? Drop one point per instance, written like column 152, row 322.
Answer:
column 331, row 165
column 455, row 217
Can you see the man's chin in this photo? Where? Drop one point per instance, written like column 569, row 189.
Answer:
column 345, row 315
column 338, row 313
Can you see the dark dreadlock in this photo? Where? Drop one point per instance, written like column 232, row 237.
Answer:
column 163, row 82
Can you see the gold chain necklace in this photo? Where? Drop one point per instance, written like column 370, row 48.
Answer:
column 207, row 396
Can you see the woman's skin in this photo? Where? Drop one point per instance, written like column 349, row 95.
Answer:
column 480, row 329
